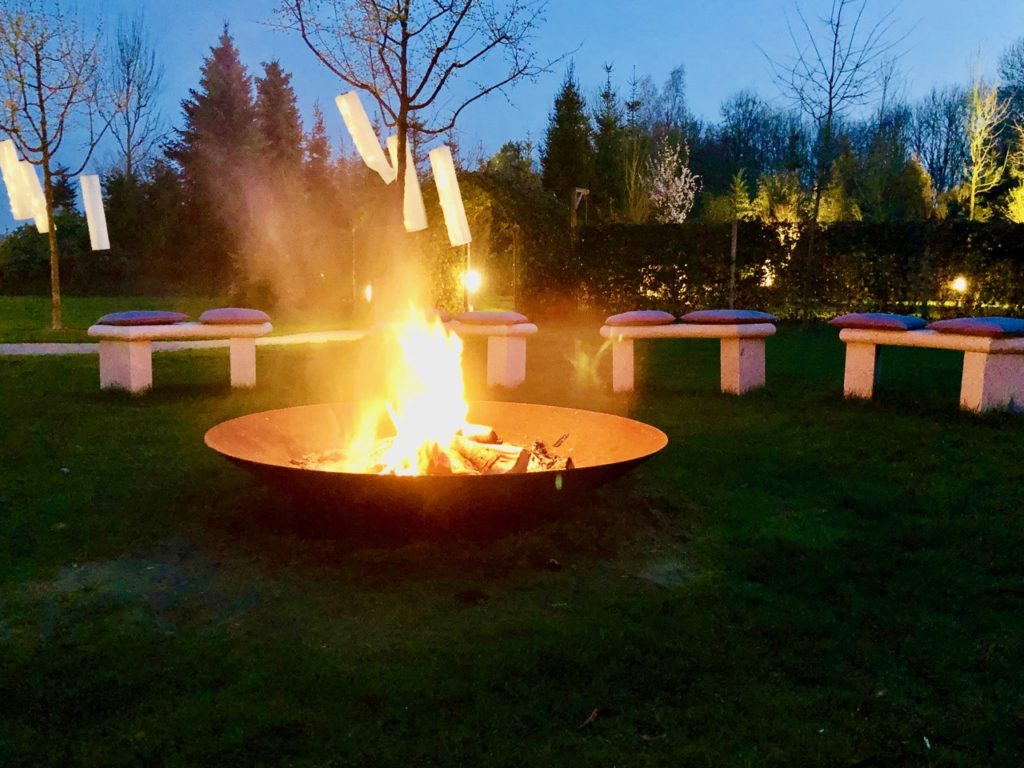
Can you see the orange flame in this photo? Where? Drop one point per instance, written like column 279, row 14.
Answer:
column 423, row 394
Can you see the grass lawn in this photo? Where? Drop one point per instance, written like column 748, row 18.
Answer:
column 794, row 581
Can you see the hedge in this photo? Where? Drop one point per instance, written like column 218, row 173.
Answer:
column 907, row 266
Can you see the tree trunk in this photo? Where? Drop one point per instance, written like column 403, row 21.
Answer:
column 732, row 264
column 51, row 234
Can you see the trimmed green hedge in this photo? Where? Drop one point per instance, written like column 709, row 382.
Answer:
column 856, row 266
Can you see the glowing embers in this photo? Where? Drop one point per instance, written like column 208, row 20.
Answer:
column 422, row 400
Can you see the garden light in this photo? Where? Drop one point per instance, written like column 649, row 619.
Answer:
column 363, row 135
column 414, row 214
column 451, row 198
column 472, row 280
column 959, row 284
column 92, row 201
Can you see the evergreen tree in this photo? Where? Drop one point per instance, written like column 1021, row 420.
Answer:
column 567, row 159
column 317, row 150
column 65, row 194
column 609, row 152
column 215, row 153
column 277, row 117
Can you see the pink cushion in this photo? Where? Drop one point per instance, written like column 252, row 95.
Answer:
column 234, row 316
column 992, row 327
column 491, row 318
column 142, row 317
column 879, row 321
column 641, row 317
column 728, row 317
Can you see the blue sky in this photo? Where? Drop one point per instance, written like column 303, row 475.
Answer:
column 720, row 42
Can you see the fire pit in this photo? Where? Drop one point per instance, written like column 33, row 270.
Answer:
column 601, row 446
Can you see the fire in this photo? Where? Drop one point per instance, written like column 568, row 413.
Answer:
column 423, row 396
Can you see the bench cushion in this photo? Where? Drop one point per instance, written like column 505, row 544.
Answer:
column 641, row 317
column 993, row 327
column 728, row 317
column 142, row 317
column 491, row 318
column 233, row 316
column 879, row 321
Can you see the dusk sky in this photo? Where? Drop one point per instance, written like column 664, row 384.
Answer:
column 719, row 43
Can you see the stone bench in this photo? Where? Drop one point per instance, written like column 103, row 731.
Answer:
column 506, row 334
column 126, row 345
column 993, row 369
column 742, row 349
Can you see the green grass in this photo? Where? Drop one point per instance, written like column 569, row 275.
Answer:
column 27, row 318
column 794, row 581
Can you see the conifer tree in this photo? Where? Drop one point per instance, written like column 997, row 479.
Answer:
column 277, row 117
column 214, row 152
column 567, row 158
column 609, row 141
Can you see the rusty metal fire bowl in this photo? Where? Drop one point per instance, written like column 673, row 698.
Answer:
column 602, row 446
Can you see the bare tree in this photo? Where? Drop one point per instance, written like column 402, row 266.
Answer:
column 137, row 77
column 50, row 76
column 838, row 64
column 938, row 135
column 406, row 54
column 985, row 120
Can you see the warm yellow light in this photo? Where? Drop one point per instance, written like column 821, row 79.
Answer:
column 368, row 293
column 959, row 284
column 768, row 279
column 472, row 280
column 422, row 394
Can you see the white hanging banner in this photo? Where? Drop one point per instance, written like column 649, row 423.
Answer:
column 92, row 201
column 451, row 198
column 363, row 135
column 36, row 198
column 21, row 208
column 414, row 212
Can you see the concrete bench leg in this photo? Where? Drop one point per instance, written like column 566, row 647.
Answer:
column 126, row 365
column 506, row 361
column 861, row 370
column 742, row 365
column 992, row 381
column 243, row 362
column 622, row 365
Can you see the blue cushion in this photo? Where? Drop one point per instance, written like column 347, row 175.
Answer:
column 993, row 327
column 234, row 316
column 641, row 317
column 142, row 317
column 728, row 317
column 879, row 321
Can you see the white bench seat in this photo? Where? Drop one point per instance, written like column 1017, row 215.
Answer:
column 126, row 351
column 993, row 372
column 506, row 349
column 742, row 350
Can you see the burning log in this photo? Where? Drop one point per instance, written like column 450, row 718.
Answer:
column 492, row 459
column 479, row 433
column 542, row 460
column 477, row 450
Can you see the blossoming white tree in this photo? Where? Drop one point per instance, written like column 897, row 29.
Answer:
column 673, row 186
